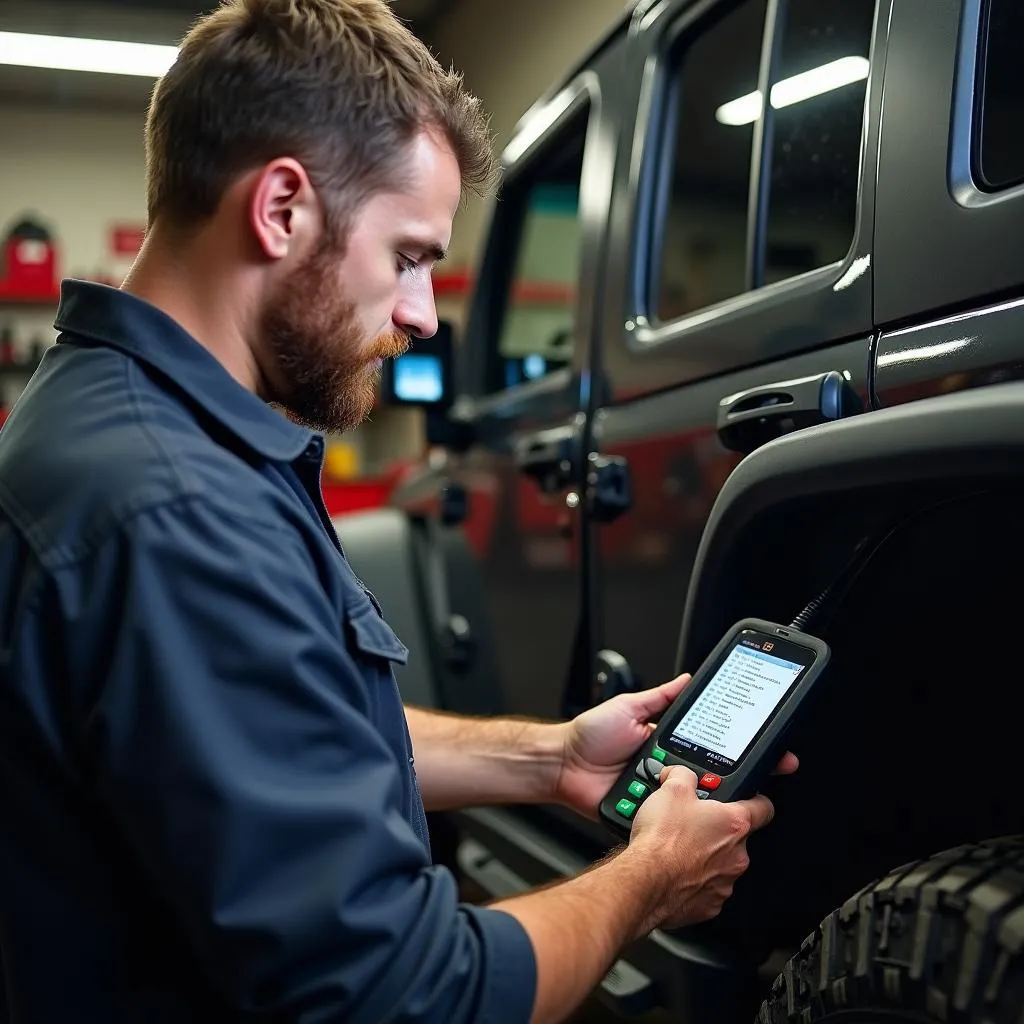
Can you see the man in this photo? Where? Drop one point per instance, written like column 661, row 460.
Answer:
column 211, row 807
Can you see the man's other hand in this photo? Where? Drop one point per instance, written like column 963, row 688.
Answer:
column 598, row 744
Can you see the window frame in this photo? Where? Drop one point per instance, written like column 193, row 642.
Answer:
column 968, row 182
column 654, row 154
column 541, row 130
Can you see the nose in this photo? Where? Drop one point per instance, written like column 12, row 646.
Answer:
column 415, row 312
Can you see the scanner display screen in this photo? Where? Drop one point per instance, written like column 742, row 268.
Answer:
column 738, row 701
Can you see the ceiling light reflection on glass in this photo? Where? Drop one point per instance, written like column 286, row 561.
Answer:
column 816, row 82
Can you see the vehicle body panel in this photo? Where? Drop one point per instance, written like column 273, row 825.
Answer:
column 941, row 243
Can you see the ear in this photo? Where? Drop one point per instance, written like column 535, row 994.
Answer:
column 284, row 211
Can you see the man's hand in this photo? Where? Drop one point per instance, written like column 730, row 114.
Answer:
column 699, row 845
column 683, row 859
column 600, row 743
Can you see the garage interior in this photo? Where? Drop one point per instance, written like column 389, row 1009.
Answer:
column 715, row 364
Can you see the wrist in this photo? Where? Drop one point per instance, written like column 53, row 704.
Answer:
column 649, row 874
column 543, row 744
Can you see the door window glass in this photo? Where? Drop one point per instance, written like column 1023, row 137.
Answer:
column 818, row 94
column 703, row 243
column 541, row 212
column 702, row 229
column 999, row 143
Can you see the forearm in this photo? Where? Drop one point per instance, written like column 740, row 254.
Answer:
column 463, row 761
column 579, row 927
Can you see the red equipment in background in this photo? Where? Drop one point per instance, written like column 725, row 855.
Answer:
column 29, row 270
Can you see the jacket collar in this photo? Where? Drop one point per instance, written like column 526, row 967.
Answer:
column 100, row 314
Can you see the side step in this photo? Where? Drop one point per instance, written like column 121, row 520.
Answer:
column 624, row 989
column 690, row 973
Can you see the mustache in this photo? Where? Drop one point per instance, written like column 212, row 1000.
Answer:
column 391, row 345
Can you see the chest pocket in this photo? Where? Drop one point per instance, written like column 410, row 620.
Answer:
column 376, row 645
column 369, row 633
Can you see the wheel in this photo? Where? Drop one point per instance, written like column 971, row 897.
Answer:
column 941, row 939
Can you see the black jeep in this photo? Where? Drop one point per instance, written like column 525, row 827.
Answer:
column 724, row 357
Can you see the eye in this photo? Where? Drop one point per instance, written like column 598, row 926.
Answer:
column 406, row 263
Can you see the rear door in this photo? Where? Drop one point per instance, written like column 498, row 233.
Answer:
column 743, row 253
column 949, row 245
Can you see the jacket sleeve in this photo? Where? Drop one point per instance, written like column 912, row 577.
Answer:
column 229, row 736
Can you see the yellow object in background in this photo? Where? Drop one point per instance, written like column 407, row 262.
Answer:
column 341, row 461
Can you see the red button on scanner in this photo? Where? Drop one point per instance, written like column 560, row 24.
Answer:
column 709, row 781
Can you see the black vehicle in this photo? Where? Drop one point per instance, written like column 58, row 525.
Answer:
column 723, row 355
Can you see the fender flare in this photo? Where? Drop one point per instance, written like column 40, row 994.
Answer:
column 961, row 440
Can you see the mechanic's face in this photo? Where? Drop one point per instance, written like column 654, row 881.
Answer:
column 333, row 320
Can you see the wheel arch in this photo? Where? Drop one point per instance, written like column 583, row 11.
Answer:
column 937, row 446
column 911, row 708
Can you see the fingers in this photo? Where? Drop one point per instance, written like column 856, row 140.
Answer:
column 652, row 702
column 758, row 811
column 787, row 765
column 754, row 813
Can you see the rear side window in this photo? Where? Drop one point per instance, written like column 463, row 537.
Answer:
column 999, row 139
column 704, row 223
column 703, row 229
column 818, row 94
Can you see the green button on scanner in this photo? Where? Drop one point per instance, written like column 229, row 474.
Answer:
column 625, row 807
column 659, row 755
column 638, row 789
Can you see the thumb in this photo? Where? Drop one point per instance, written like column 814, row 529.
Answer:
column 760, row 809
column 681, row 774
column 649, row 703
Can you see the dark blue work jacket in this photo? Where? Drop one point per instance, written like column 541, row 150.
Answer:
column 208, row 805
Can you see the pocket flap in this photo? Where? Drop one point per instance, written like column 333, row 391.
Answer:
column 372, row 635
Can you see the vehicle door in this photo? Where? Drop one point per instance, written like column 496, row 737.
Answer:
column 526, row 349
column 949, row 293
column 742, row 249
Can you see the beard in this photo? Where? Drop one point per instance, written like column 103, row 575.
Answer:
column 325, row 370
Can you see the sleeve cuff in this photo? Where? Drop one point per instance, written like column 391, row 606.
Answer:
column 509, row 968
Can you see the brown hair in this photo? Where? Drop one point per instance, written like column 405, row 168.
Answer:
column 340, row 85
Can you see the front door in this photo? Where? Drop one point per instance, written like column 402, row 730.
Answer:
column 528, row 342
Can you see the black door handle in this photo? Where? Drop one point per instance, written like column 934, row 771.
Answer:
column 548, row 457
column 751, row 418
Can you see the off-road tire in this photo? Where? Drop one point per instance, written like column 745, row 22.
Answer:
column 940, row 939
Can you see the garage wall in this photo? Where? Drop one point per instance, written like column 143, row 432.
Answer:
column 80, row 175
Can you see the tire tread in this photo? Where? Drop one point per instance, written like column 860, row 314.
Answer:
column 942, row 937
